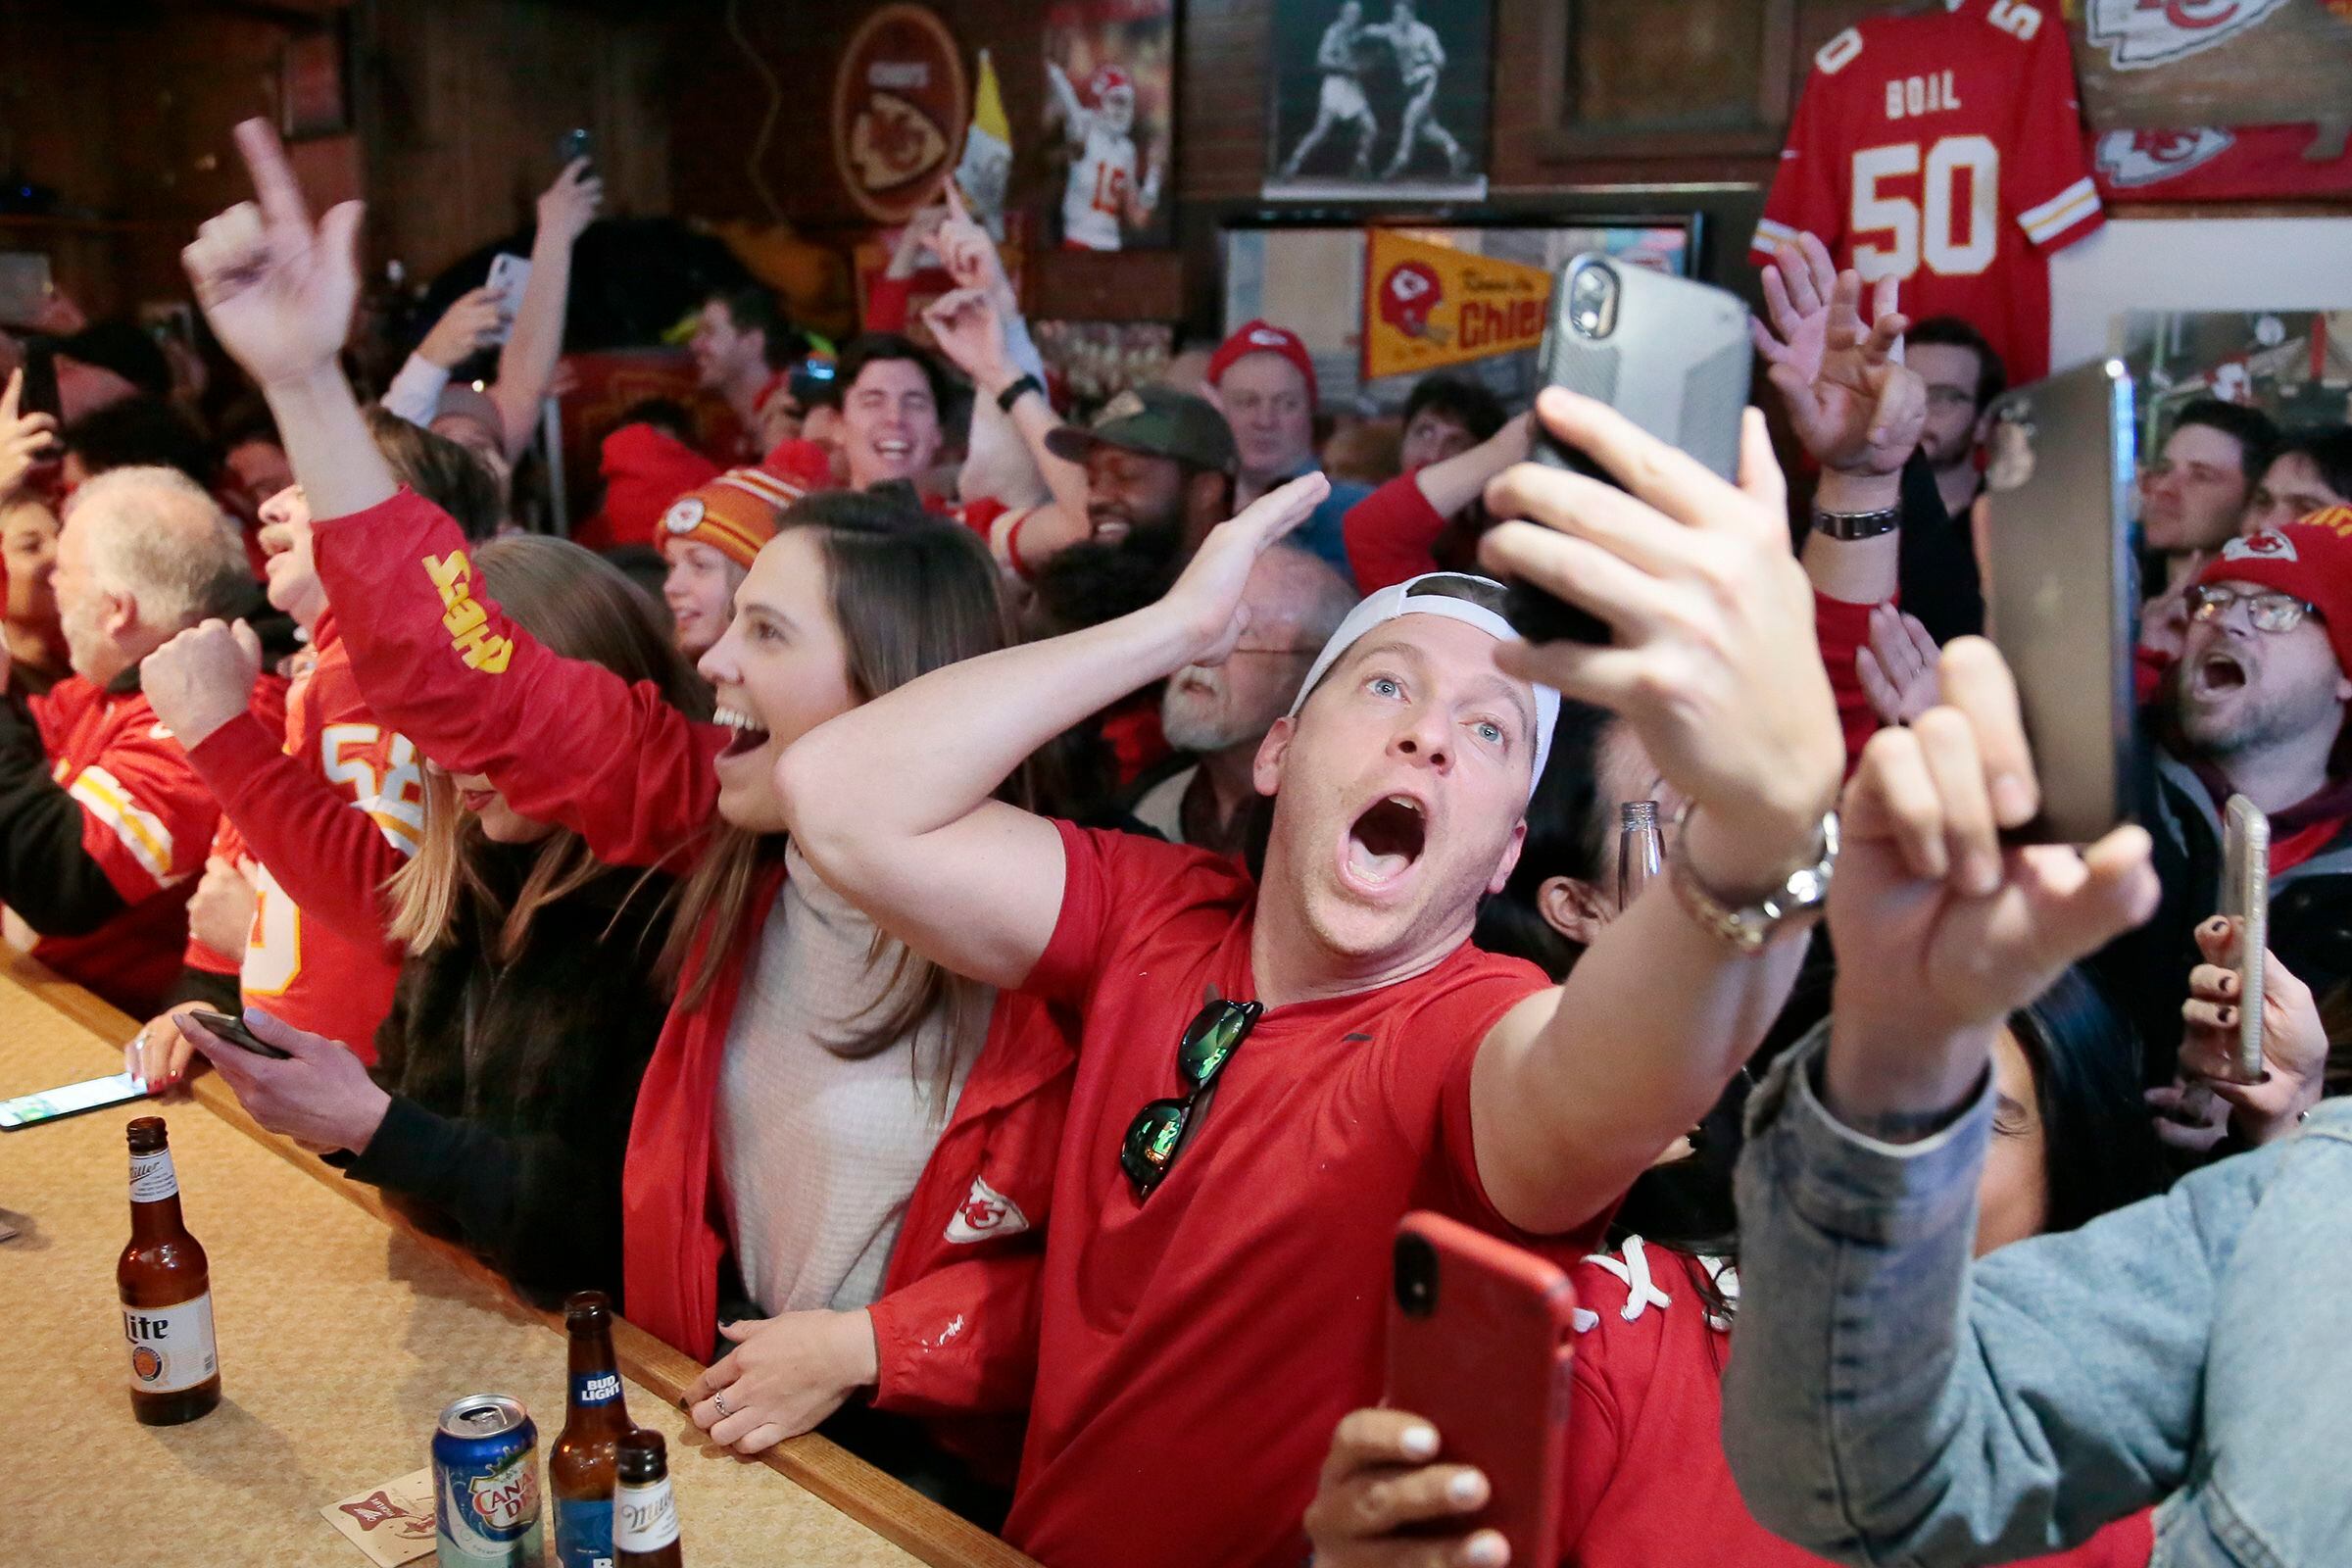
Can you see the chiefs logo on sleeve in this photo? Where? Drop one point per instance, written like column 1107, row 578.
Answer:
column 985, row 1213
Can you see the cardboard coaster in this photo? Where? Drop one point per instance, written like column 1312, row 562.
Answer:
column 392, row 1523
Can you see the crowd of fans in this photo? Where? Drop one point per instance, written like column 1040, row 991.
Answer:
column 986, row 955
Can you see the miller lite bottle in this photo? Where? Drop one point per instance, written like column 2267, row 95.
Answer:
column 166, row 1292
column 579, row 1467
column 645, row 1517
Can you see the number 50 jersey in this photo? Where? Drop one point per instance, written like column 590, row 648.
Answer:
column 1944, row 149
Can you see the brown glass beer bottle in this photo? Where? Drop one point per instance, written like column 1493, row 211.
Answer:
column 644, row 1518
column 166, row 1292
column 579, row 1467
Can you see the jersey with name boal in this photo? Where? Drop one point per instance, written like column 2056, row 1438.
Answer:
column 1944, row 149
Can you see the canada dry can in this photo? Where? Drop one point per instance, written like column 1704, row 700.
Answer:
column 486, row 1484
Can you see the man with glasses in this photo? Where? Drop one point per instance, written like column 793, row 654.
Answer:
column 1217, row 714
column 1964, row 374
column 2257, row 708
column 1273, row 1070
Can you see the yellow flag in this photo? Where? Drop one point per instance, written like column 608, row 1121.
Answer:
column 1427, row 306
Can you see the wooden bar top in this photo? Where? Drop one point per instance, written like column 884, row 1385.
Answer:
column 342, row 1333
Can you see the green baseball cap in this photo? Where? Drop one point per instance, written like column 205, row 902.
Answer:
column 1159, row 421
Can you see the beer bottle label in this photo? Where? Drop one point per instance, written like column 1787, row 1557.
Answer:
column 596, row 1387
column 152, row 1178
column 644, row 1518
column 584, row 1534
column 171, row 1346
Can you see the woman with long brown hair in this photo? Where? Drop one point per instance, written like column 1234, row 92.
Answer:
column 530, row 994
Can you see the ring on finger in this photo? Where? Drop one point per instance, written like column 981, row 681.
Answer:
column 718, row 1403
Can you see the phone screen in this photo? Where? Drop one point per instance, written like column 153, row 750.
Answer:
column 28, row 1110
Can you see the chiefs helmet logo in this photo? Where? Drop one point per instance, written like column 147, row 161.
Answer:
column 683, row 515
column 2130, row 159
column 1408, row 295
column 2268, row 545
column 985, row 1212
column 2141, row 34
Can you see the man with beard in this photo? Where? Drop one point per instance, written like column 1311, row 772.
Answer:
column 1964, row 374
column 2257, row 709
column 1219, row 714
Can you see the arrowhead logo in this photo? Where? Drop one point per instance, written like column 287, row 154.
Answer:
column 2138, row 35
column 984, row 1214
column 2130, row 159
column 2268, row 545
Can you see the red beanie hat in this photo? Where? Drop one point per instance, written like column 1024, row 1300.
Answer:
column 734, row 513
column 2310, row 560
column 1262, row 337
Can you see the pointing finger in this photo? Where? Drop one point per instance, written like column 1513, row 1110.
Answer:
column 274, row 186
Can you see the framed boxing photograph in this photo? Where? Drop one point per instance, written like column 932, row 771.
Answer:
column 1379, row 100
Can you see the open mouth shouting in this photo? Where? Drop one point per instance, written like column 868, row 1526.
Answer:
column 747, row 735
column 2216, row 676
column 1384, row 842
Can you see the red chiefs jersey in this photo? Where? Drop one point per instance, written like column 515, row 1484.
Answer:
column 2241, row 164
column 146, row 820
column 269, row 704
column 304, row 971
column 1944, row 149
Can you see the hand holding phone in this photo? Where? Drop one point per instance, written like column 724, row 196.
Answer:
column 1670, row 355
column 1480, row 1343
column 222, row 1026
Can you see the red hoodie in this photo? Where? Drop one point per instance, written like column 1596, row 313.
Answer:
column 566, row 741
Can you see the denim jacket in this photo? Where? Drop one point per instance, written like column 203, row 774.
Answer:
column 1890, row 1401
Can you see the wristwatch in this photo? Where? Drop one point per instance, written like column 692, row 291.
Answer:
column 1797, row 904
column 1851, row 526
column 1020, row 386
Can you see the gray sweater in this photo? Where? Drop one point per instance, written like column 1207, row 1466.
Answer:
column 1891, row 1402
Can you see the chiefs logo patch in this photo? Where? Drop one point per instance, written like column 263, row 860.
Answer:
column 2268, row 545
column 985, row 1213
column 2130, row 159
column 2138, row 35
column 683, row 515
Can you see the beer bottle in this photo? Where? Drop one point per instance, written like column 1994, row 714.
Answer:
column 166, row 1292
column 645, row 1519
column 579, row 1467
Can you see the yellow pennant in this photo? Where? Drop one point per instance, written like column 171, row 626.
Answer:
column 1427, row 306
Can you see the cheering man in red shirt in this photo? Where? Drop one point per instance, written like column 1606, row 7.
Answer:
column 1214, row 1273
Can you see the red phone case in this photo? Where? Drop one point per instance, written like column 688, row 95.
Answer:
column 1487, row 1363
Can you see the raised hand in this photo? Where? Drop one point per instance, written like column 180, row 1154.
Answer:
column 1852, row 404
column 277, row 289
column 1714, row 661
column 967, row 253
column 470, row 325
column 1897, row 669
column 1208, row 593
column 202, row 678
column 1940, row 933
column 569, row 206
column 1797, row 287
column 25, row 439
column 968, row 330
column 2294, row 1042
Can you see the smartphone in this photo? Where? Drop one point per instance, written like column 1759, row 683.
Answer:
column 232, row 1029
column 2246, row 899
column 574, row 146
column 31, row 1111
column 2058, row 595
column 509, row 277
column 1480, row 1343
column 1669, row 354
column 39, row 394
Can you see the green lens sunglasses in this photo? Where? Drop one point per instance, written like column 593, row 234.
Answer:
column 1158, row 1129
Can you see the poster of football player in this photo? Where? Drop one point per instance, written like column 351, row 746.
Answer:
column 1379, row 98
column 1110, row 116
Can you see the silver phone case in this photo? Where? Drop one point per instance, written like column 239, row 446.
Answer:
column 2059, row 592
column 1675, row 360
column 2246, row 898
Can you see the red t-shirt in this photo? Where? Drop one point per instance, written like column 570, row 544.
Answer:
column 1646, row 1484
column 1195, row 1350
column 1944, row 148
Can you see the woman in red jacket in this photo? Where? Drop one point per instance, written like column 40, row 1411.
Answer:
column 864, row 1138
